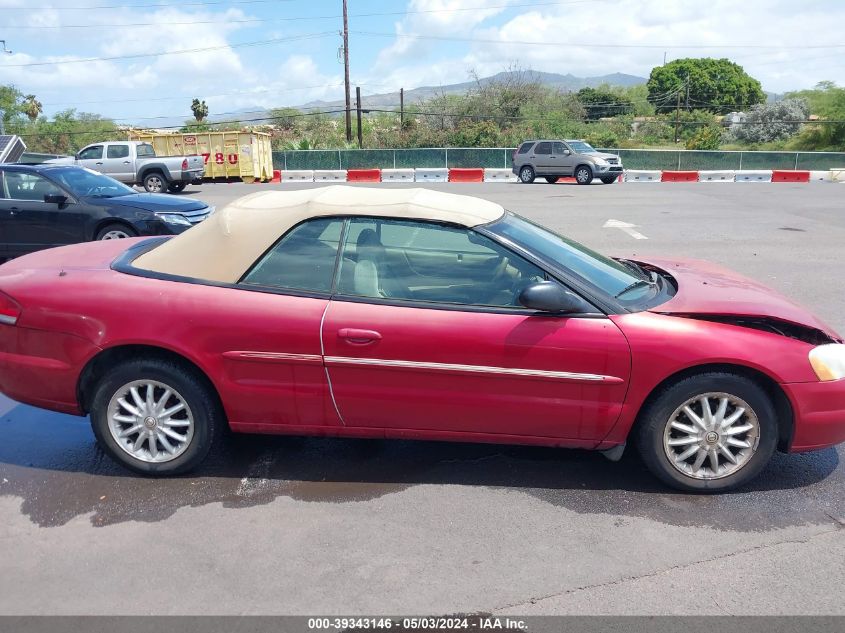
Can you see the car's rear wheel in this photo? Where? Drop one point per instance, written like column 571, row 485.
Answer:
column 551, row 179
column 155, row 182
column 609, row 180
column 526, row 174
column 709, row 433
column 155, row 417
column 176, row 187
column 583, row 175
column 115, row 232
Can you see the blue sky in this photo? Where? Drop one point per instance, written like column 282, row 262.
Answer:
column 272, row 53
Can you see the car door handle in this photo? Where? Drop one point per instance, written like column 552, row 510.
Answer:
column 359, row 337
column 126, row 162
column 100, row 163
column 13, row 210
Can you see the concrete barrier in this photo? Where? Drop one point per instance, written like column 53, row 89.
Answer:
column 679, row 176
column 431, row 175
column 790, row 175
column 837, row 174
column 461, row 174
column 499, row 175
column 277, row 175
column 298, row 175
column 338, row 175
column 821, row 175
column 749, row 175
column 642, row 175
column 716, row 176
column 397, row 175
column 363, row 175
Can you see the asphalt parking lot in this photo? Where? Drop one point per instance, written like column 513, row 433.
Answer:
column 294, row 525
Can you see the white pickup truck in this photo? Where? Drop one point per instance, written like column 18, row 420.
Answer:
column 136, row 163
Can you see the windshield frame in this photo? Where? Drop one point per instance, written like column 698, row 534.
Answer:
column 608, row 303
column 56, row 175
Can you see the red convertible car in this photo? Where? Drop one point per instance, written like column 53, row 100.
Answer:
column 414, row 314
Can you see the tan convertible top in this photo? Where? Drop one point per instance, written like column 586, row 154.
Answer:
column 224, row 246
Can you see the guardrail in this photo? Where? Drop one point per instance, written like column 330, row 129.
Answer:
column 637, row 159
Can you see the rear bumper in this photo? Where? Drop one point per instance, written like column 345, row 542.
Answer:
column 819, row 409
column 42, row 368
column 192, row 175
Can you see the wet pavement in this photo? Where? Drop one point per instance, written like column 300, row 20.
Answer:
column 298, row 525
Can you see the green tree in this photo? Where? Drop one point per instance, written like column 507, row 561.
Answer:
column 10, row 107
column 718, row 85
column 32, row 107
column 200, row 110
column 601, row 103
column 827, row 101
column 69, row 131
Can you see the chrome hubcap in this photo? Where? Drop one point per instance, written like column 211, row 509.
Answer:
column 115, row 235
column 711, row 436
column 150, row 421
column 154, row 184
column 582, row 175
column 526, row 174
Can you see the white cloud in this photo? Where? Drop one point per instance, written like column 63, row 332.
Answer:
column 578, row 27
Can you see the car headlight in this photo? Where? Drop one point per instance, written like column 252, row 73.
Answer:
column 601, row 161
column 174, row 218
column 212, row 210
column 828, row 361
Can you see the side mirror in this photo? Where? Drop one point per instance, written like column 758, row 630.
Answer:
column 566, row 152
column 548, row 296
column 55, row 198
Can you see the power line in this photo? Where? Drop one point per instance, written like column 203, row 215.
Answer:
column 205, row 3
column 277, row 40
column 570, row 44
column 300, row 18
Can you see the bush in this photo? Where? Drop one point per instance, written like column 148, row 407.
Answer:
column 773, row 121
column 708, row 137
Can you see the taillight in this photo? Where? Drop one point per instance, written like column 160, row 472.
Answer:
column 185, row 164
column 9, row 310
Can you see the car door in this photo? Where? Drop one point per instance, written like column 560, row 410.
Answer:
column 118, row 163
column 6, row 240
column 567, row 159
column 35, row 224
column 542, row 158
column 91, row 157
column 425, row 334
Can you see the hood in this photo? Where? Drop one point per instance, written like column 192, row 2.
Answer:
column 152, row 202
column 604, row 155
column 706, row 289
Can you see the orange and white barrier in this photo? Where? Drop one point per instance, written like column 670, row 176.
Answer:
column 499, row 175
column 337, row 175
column 363, row 175
column 397, row 175
column 462, row 174
column 749, row 175
column 643, row 175
column 715, row 175
column 431, row 175
column 297, row 175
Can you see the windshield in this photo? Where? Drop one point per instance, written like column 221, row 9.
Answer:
column 86, row 183
column 581, row 147
column 608, row 275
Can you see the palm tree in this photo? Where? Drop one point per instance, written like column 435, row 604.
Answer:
column 199, row 109
column 31, row 107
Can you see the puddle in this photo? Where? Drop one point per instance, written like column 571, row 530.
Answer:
column 51, row 462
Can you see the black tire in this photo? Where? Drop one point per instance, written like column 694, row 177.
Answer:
column 657, row 416
column 155, row 182
column 527, row 174
column 115, row 232
column 552, row 179
column 177, row 187
column 609, row 180
column 203, row 404
column 583, row 175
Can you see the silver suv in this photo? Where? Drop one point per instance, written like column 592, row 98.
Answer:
column 553, row 159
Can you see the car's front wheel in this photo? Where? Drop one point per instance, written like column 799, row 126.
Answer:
column 155, row 417
column 115, row 232
column 710, row 432
column 609, row 180
column 176, row 187
column 526, row 174
column 583, row 175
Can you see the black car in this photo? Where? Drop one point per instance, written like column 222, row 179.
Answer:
column 42, row 206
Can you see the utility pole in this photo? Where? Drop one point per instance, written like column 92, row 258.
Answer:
column 358, row 105
column 687, row 92
column 346, row 73
column 678, row 117
column 401, row 109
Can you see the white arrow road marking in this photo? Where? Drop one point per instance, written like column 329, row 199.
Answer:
column 628, row 228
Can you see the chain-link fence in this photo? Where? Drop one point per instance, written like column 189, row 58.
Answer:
column 501, row 157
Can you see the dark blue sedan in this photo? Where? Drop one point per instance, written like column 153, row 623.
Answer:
column 42, row 206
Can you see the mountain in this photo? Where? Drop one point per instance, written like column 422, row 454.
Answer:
column 566, row 83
